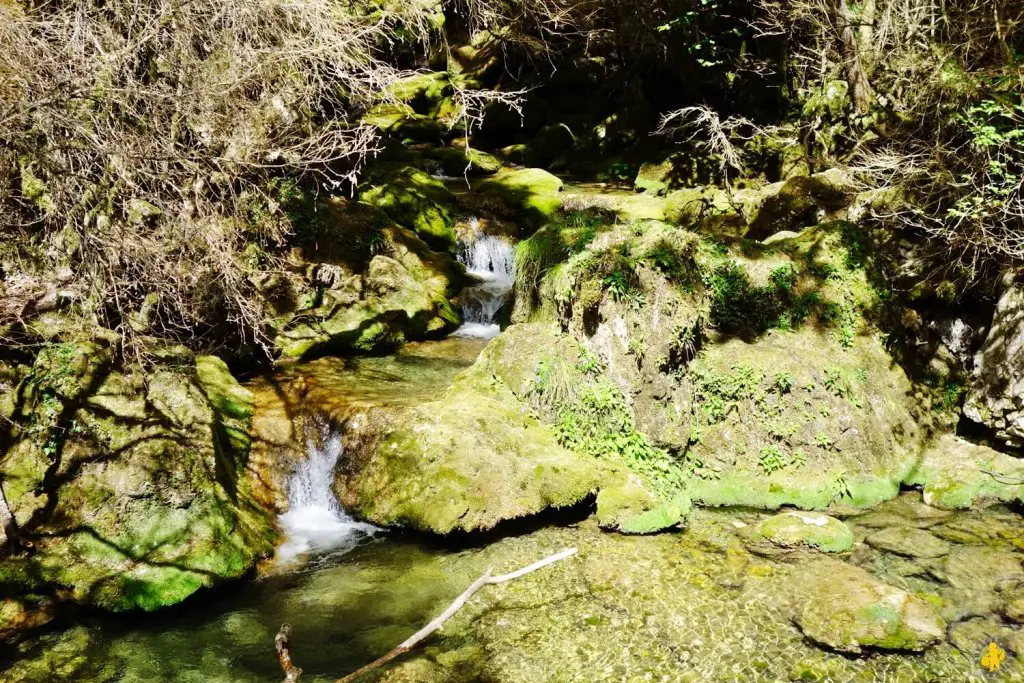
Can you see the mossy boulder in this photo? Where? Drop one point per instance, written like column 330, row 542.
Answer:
column 846, row 609
column 804, row 530
column 132, row 488
column 630, row 507
column 457, row 162
column 528, row 194
column 401, row 122
column 799, row 202
column 425, row 93
column 957, row 474
column 464, row 462
column 361, row 283
column 414, row 199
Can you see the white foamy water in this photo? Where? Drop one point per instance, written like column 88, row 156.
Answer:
column 315, row 520
column 492, row 260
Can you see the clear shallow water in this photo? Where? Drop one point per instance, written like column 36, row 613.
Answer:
column 693, row 606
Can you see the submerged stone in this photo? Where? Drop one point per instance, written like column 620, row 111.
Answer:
column 908, row 541
column 846, row 609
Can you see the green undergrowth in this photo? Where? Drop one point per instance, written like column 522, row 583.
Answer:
column 591, row 417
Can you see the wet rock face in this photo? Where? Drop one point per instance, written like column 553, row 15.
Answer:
column 846, row 609
column 996, row 396
column 132, row 488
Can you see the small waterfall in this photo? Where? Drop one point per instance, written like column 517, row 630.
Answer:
column 492, row 260
column 314, row 520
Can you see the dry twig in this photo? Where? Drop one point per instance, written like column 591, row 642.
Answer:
column 292, row 672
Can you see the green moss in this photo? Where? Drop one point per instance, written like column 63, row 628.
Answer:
column 458, row 162
column 530, row 194
column 414, row 199
column 794, row 529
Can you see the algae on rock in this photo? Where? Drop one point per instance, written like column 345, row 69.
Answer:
column 132, row 489
column 362, row 283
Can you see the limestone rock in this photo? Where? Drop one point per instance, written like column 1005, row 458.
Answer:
column 803, row 529
column 957, row 474
column 996, row 396
column 909, row 542
column 133, row 488
column 845, row 608
column 464, row 462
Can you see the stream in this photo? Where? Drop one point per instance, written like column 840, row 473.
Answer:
column 701, row 605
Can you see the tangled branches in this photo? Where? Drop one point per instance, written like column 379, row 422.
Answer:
column 936, row 111
column 140, row 140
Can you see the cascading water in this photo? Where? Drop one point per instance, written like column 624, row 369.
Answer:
column 314, row 520
column 492, row 260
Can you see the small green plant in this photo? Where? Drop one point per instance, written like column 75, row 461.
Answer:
column 798, row 459
column 589, row 362
column 841, row 486
column 834, row 382
column 771, row 459
column 617, row 285
column 822, row 440
column 783, row 382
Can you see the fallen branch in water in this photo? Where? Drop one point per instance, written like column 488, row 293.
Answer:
column 292, row 672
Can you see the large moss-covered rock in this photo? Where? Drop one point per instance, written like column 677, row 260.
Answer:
column 756, row 366
column 798, row 202
column 803, row 530
column 362, row 283
column 529, row 194
column 957, row 474
column 846, row 609
column 456, row 162
column 464, row 462
column 132, row 488
column 403, row 123
column 424, row 92
column 414, row 199
column 629, row 506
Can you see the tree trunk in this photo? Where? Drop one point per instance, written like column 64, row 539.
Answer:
column 846, row 22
